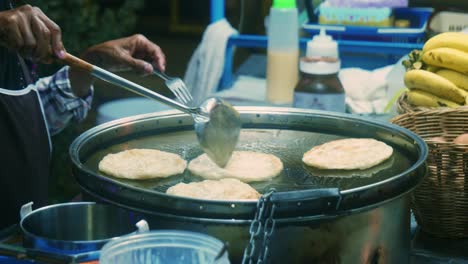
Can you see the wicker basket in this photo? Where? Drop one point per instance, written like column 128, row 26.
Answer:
column 440, row 202
column 403, row 106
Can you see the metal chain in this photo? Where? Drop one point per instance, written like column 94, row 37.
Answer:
column 263, row 221
column 268, row 229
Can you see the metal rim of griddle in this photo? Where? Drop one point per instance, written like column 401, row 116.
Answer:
column 291, row 204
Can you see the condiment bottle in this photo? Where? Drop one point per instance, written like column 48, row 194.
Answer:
column 282, row 52
column 319, row 87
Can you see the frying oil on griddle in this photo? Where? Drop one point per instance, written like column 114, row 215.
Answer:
column 288, row 145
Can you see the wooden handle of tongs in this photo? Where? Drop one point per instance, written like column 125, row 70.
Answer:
column 77, row 62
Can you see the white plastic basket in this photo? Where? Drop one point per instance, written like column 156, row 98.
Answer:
column 449, row 21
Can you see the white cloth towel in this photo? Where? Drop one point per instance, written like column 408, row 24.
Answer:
column 207, row 62
column 246, row 88
column 366, row 91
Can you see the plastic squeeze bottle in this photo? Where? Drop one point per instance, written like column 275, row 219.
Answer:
column 282, row 52
column 319, row 87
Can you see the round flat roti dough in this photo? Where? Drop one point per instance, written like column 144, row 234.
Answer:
column 225, row 189
column 348, row 154
column 370, row 172
column 247, row 166
column 138, row 164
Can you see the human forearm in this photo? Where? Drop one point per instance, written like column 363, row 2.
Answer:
column 135, row 52
column 60, row 103
column 80, row 81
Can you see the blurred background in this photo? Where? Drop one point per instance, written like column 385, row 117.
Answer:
column 175, row 25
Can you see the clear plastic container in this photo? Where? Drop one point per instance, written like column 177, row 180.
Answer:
column 164, row 246
column 282, row 52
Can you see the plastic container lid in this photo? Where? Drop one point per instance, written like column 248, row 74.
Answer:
column 284, row 4
column 321, row 46
column 164, row 246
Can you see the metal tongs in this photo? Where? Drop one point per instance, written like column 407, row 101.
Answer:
column 217, row 123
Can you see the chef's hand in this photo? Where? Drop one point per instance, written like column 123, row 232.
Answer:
column 135, row 52
column 28, row 31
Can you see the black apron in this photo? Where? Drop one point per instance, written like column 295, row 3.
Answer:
column 24, row 140
column 25, row 150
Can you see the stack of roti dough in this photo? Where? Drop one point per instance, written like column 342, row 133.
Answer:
column 230, row 182
column 226, row 183
column 348, row 154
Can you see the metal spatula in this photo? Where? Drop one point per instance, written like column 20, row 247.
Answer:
column 217, row 123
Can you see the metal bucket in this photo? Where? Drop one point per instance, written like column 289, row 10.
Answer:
column 379, row 235
column 72, row 228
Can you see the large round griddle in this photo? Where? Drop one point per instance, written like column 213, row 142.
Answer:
column 285, row 132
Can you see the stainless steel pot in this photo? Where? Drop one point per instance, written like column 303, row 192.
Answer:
column 73, row 228
column 321, row 216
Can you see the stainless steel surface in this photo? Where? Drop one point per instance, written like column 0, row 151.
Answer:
column 20, row 253
column 438, row 250
column 17, row 254
column 320, row 216
column 217, row 123
column 177, row 86
column 72, row 228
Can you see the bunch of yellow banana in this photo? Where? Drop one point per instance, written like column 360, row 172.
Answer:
column 437, row 76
